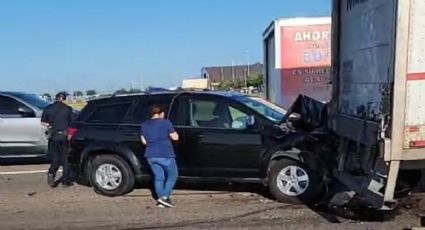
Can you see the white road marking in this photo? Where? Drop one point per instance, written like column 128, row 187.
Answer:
column 25, row 172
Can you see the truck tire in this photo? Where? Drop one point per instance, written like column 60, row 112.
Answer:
column 292, row 182
column 110, row 175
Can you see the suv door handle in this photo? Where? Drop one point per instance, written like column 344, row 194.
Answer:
column 199, row 135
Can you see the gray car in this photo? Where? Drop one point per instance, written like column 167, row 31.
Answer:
column 21, row 133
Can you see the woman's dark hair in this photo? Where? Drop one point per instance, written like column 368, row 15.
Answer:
column 156, row 109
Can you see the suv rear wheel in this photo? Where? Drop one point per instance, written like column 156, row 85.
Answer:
column 291, row 181
column 111, row 176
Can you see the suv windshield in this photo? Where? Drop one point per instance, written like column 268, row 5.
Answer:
column 267, row 109
column 32, row 99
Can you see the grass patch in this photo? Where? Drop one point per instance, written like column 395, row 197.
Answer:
column 78, row 105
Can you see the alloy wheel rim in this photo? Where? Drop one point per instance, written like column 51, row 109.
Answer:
column 108, row 176
column 292, row 180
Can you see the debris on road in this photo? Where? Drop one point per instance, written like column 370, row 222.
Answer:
column 31, row 193
column 341, row 199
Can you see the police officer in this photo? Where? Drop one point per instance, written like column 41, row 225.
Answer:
column 57, row 118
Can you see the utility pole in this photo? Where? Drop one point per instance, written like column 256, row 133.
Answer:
column 132, row 86
column 141, row 81
column 245, row 77
column 247, row 61
column 222, row 74
column 233, row 70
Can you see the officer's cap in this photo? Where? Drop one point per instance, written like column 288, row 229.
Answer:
column 61, row 95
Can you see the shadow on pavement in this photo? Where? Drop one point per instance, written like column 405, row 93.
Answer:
column 331, row 215
column 208, row 189
column 421, row 185
column 257, row 190
column 188, row 224
column 334, row 215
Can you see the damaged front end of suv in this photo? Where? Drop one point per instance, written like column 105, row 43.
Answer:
column 340, row 175
column 301, row 166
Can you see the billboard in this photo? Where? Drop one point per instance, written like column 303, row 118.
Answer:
column 310, row 81
column 305, row 62
column 302, row 59
column 305, row 46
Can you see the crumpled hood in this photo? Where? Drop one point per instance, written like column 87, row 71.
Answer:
column 313, row 113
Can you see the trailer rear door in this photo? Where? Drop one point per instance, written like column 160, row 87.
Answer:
column 414, row 136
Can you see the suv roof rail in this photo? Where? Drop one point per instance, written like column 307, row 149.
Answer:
column 177, row 90
column 194, row 89
column 116, row 95
column 127, row 94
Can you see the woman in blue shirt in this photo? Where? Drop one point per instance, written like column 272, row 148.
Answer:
column 157, row 134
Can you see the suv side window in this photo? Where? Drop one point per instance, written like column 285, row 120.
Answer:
column 109, row 114
column 215, row 114
column 9, row 107
column 140, row 113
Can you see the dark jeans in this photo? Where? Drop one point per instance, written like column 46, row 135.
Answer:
column 165, row 175
column 58, row 151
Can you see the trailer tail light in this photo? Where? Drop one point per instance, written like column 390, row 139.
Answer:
column 71, row 133
column 417, row 144
column 413, row 129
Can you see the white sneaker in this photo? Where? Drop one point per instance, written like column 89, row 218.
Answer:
column 166, row 202
column 159, row 205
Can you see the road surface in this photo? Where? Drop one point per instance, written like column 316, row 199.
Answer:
column 28, row 203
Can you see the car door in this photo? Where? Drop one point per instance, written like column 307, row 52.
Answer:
column 21, row 133
column 129, row 131
column 217, row 140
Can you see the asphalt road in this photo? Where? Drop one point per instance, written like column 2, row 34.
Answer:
column 28, row 203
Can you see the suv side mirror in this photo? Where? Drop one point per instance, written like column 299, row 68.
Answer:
column 26, row 112
column 250, row 121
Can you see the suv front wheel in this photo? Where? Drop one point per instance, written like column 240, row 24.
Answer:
column 111, row 175
column 292, row 182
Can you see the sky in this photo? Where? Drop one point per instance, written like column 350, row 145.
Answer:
column 51, row 45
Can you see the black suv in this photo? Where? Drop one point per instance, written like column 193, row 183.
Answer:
column 223, row 137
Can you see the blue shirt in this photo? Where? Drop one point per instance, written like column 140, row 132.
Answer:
column 157, row 135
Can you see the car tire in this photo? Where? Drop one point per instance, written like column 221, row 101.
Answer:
column 111, row 176
column 292, row 182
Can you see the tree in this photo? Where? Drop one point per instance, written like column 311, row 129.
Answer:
column 121, row 91
column 91, row 92
column 255, row 80
column 226, row 85
column 78, row 94
column 125, row 91
column 135, row 91
column 239, row 84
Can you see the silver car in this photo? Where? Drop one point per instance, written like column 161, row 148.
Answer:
column 21, row 133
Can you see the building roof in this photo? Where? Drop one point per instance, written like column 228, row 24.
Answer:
column 225, row 73
column 297, row 21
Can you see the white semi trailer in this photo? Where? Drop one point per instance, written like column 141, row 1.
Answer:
column 378, row 102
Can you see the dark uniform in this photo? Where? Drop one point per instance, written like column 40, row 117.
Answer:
column 59, row 116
